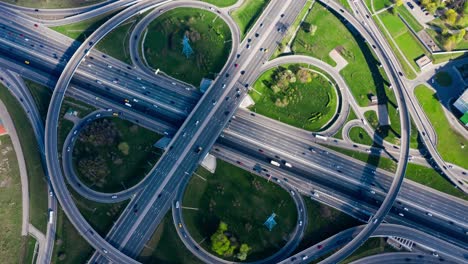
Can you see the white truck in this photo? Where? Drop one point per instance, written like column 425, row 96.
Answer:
column 321, row 137
column 51, row 216
column 287, row 164
column 274, row 163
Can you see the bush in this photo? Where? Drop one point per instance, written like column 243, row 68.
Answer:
column 124, row 148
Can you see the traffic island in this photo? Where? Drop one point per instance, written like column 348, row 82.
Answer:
column 111, row 154
column 188, row 44
column 227, row 211
column 295, row 95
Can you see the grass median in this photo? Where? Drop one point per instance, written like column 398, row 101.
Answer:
column 165, row 246
column 247, row 14
column 414, row 172
column 244, row 202
column 451, row 145
column 209, row 38
column 296, row 96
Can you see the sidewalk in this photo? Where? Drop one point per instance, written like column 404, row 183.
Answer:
column 8, row 123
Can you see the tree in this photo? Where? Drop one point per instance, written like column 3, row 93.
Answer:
column 461, row 34
column 124, row 148
column 304, row 76
column 451, row 16
column 398, row 2
column 243, row 251
column 220, row 243
column 312, row 29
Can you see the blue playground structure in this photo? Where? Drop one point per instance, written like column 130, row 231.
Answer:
column 186, row 50
column 270, row 222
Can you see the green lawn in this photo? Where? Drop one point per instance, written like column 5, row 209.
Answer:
column 247, row 14
column 439, row 58
column 310, row 105
column 377, row 161
column 10, row 204
column 420, row 174
column 378, row 4
column 431, row 178
column 70, row 247
column 29, row 255
column 409, row 18
column 36, row 177
column 362, row 72
column 165, row 246
column 411, row 48
column 323, row 222
column 359, row 135
column 115, row 44
column 124, row 169
column 81, row 30
column 52, row 3
column 244, row 201
column 373, row 246
column 449, row 142
column 221, row 3
column 443, row 78
column 209, row 37
column 100, row 216
column 41, row 96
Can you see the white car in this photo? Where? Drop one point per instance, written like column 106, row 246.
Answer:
column 114, row 197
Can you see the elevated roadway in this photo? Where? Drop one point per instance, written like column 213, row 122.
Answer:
column 445, row 250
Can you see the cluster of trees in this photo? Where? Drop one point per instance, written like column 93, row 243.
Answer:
column 101, row 132
column 224, row 244
column 450, row 41
column 283, row 79
column 454, row 11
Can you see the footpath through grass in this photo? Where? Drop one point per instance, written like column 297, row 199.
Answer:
column 411, row 48
column 12, row 250
column 36, row 177
column 165, row 246
column 113, row 154
column 247, row 14
column 449, row 142
column 309, row 103
column 52, row 3
column 243, row 201
column 362, row 72
column 209, row 37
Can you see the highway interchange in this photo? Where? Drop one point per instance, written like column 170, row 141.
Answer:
column 170, row 111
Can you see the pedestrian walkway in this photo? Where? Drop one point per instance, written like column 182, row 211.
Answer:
column 7, row 123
